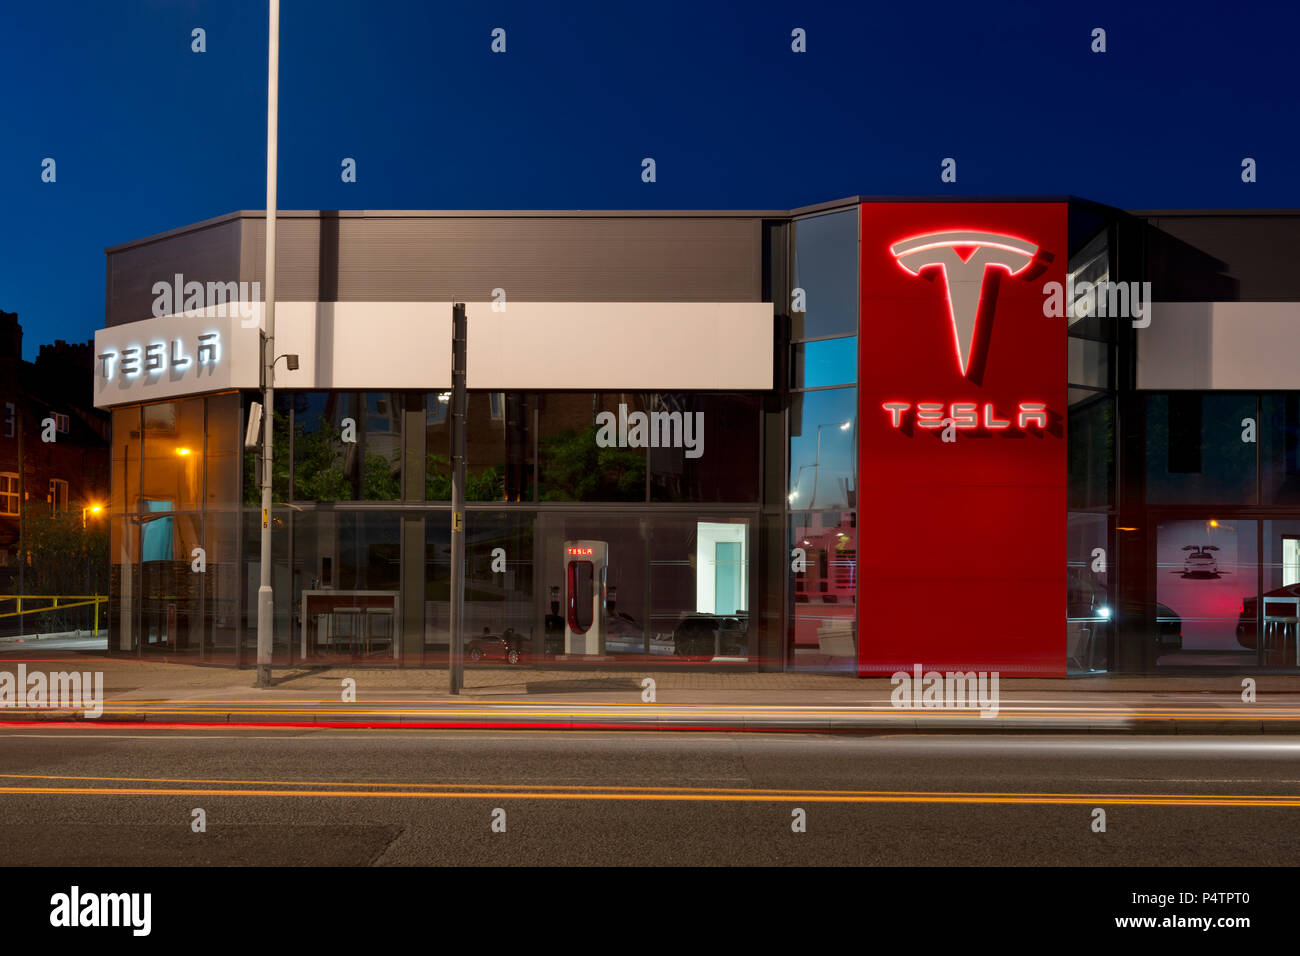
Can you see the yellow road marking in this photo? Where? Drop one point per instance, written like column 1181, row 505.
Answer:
column 687, row 796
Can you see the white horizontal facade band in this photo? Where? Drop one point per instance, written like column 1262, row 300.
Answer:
column 650, row 346
column 1239, row 346
column 389, row 346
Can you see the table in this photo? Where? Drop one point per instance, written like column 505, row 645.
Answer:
column 363, row 605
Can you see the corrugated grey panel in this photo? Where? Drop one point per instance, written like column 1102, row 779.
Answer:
column 297, row 257
column 205, row 255
column 551, row 259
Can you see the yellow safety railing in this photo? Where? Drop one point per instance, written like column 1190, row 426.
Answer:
column 69, row 601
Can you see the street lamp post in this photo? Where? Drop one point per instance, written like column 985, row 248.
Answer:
column 265, row 597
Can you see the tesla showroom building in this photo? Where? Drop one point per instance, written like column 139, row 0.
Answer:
column 1038, row 436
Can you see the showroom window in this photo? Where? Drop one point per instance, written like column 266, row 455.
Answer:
column 498, row 446
column 1198, row 450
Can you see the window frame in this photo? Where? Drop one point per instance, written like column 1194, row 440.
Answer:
column 6, row 494
column 58, row 485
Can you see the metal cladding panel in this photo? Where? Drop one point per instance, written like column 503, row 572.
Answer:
column 1223, row 258
column 539, row 259
column 620, row 345
column 208, row 254
column 1233, row 346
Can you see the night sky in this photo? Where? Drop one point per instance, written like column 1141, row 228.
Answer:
column 148, row 136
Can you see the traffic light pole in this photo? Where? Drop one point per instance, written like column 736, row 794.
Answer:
column 455, row 647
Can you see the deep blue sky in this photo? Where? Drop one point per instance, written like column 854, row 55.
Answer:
column 149, row 136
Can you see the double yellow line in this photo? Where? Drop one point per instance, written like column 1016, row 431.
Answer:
column 206, row 787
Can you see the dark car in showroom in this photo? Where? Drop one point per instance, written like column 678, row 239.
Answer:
column 1088, row 606
column 1169, row 628
column 704, row 636
column 1248, row 620
column 507, row 646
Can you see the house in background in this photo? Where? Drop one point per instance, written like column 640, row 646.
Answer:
column 67, row 474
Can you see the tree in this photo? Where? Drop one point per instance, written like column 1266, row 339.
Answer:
column 64, row 557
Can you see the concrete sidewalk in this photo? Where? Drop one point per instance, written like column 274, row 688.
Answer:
column 500, row 696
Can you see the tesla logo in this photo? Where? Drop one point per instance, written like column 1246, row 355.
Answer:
column 969, row 264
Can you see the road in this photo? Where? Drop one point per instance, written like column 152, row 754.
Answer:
column 355, row 797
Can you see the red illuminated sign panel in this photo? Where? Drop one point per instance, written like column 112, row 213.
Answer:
column 962, row 449
column 581, row 552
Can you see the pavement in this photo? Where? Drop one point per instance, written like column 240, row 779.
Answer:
column 157, row 694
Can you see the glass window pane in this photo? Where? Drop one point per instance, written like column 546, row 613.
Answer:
column 625, row 578
column 324, row 469
column 824, row 590
column 712, row 447
column 823, row 442
column 1195, row 452
column 499, row 600
column 1090, row 435
column 1280, row 449
column 1281, row 597
column 1090, row 607
column 1089, row 362
column 831, row 362
column 224, row 446
column 173, row 453
column 221, row 585
column 826, row 269
column 125, row 480
column 347, row 446
column 1206, row 568
column 171, row 613
column 381, row 443
column 700, row 576
column 346, row 575
column 499, row 446
column 584, row 448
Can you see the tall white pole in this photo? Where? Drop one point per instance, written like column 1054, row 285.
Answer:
column 265, row 600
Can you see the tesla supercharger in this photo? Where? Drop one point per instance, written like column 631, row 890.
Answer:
column 585, row 564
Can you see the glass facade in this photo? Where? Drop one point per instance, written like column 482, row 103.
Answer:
column 822, row 461
column 702, row 527
column 174, row 557
column 674, row 526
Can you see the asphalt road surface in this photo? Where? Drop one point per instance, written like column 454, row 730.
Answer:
column 316, row 797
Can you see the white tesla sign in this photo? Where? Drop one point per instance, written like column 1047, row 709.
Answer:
column 156, row 357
